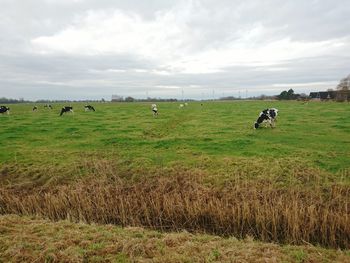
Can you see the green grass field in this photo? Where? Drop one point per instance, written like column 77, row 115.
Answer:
column 314, row 134
column 202, row 168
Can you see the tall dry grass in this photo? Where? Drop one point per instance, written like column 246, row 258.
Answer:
column 181, row 201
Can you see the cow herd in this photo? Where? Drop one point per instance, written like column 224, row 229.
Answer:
column 66, row 109
column 267, row 116
column 4, row 109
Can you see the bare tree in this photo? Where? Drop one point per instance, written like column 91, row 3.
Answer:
column 343, row 89
column 344, row 84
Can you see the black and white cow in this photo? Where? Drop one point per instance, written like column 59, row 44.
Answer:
column 4, row 109
column 154, row 109
column 48, row 106
column 66, row 109
column 89, row 107
column 35, row 108
column 267, row 115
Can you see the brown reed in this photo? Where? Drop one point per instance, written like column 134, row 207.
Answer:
column 182, row 202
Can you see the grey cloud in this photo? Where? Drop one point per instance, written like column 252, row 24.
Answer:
column 215, row 23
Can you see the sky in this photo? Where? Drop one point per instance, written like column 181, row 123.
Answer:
column 91, row 49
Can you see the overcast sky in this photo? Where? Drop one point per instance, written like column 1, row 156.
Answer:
column 91, row 49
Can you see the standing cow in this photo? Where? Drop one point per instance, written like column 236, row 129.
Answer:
column 66, row 109
column 89, row 107
column 268, row 116
column 4, row 109
column 154, row 110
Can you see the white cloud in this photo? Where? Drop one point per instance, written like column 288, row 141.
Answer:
column 306, row 84
column 63, row 2
column 117, row 32
column 116, row 70
column 168, row 87
column 170, row 41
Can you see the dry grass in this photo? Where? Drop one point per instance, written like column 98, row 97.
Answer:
column 24, row 239
column 179, row 200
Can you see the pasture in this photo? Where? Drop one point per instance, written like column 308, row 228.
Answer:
column 37, row 146
column 200, row 168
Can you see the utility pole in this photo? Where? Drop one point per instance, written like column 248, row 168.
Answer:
column 182, row 94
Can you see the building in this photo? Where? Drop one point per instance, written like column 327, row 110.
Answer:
column 116, row 98
column 323, row 95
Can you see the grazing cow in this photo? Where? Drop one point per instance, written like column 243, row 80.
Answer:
column 181, row 106
column 269, row 116
column 66, row 109
column 35, row 108
column 48, row 106
column 154, row 109
column 4, row 109
column 89, row 107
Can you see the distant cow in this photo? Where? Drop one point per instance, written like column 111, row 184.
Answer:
column 181, row 106
column 267, row 115
column 35, row 108
column 66, row 109
column 48, row 106
column 4, row 109
column 89, row 107
column 154, row 109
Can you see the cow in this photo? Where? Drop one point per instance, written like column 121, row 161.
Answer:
column 267, row 115
column 4, row 109
column 154, row 109
column 48, row 106
column 181, row 106
column 35, row 108
column 66, row 109
column 89, row 107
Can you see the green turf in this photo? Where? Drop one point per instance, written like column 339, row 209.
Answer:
column 316, row 133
